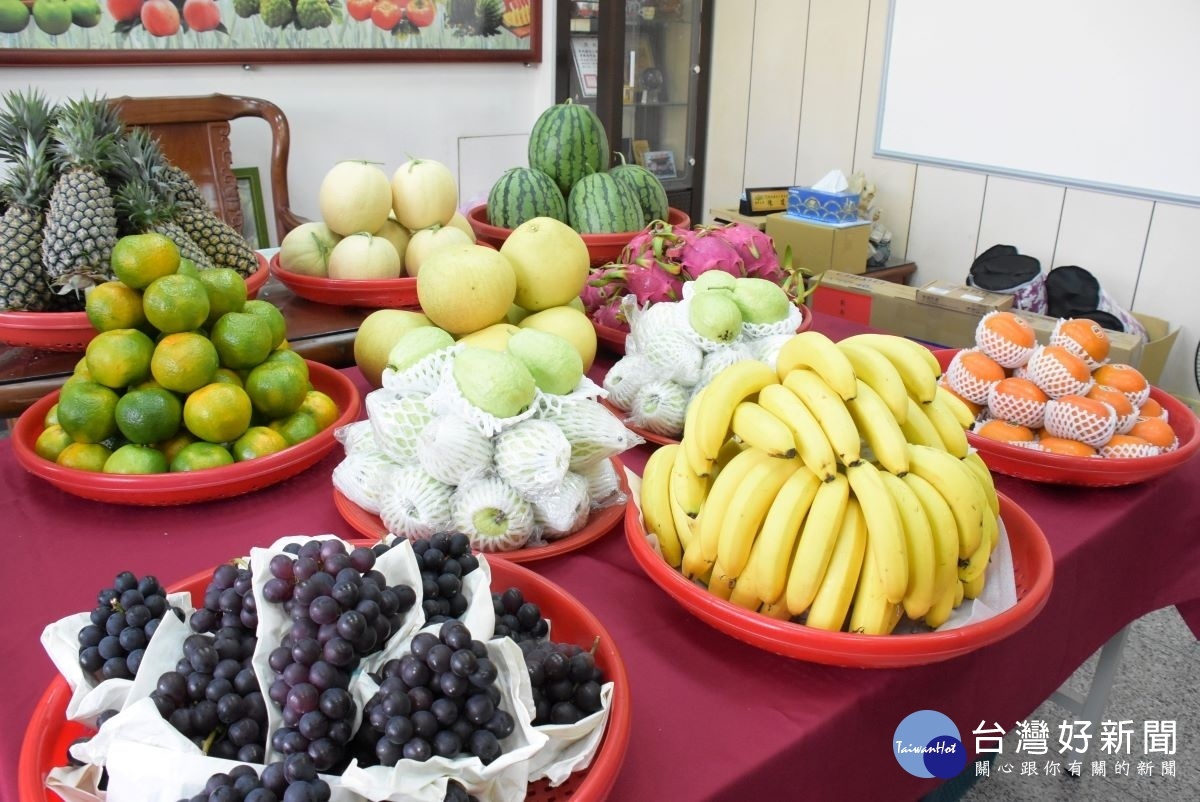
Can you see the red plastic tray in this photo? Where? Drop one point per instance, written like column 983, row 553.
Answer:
column 603, row 248
column 1032, row 562
column 599, row 524
column 646, row 434
column 1064, row 469
column 49, row 733
column 166, row 489
column 614, row 339
column 384, row 293
column 71, row 331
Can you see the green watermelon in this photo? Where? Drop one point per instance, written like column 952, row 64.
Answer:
column 568, row 142
column 524, row 193
column 599, row 204
column 652, row 197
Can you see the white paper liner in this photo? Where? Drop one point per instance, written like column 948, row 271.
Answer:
column 571, row 747
column 398, row 565
column 76, row 783
column 505, row 779
column 90, row 698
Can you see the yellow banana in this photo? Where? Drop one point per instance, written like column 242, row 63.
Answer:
column 761, row 428
column 973, row 587
column 829, row 410
column 877, row 426
column 977, row 563
column 883, row 524
column 814, row 547
column 984, row 474
column 687, row 488
column 780, row 528
column 877, row 371
column 943, row 530
column 811, row 443
column 814, row 350
column 951, row 432
column 690, row 440
column 656, row 503
column 940, row 612
column 721, row 497
column 918, row 539
column 777, row 610
column 962, row 412
column 721, row 396
column 685, row 525
column 919, row 429
column 693, row 565
column 871, row 613
column 745, row 590
column 744, row 515
column 917, row 365
column 832, row 602
column 959, row 487
column 720, row 583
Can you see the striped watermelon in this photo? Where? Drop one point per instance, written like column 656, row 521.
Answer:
column 524, row 193
column 599, row 204
column 652, row 198
column 568, row 142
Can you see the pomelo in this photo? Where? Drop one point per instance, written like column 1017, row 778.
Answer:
column 377, row 335
column 464, row 288
column 550, row 260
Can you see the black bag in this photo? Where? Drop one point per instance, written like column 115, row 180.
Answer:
column 1001, row 269
column 1072, row 291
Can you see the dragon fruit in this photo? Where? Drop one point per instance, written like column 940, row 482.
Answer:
column 699, row 251
column 611, row 315
column 756, row 249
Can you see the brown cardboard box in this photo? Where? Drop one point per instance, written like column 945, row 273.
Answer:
column 1149, row 357
column 722, row 216
column 819, row 247
column 960, row 298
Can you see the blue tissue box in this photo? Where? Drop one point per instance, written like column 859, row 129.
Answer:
column 828, row 207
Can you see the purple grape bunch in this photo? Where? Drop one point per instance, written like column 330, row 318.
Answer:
column 341, row 611
column 517, row 618
column 293, row 779
column 565, row 679
column 112, row 643
column 445, row 559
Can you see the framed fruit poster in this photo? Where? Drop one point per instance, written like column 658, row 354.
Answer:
column 124, row 32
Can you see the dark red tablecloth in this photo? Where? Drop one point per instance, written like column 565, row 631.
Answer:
column 713, row 718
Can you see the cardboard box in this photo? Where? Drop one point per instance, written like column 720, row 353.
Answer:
column 820, row 246
column 759, row 221
column 829, row 207
column 960, row 298
column 1150, row 357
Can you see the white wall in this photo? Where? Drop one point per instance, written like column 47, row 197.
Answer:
column 795, row 89
column 473, row 117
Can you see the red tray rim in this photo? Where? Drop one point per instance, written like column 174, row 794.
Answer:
column 600, row 523
column 213, row 483
column 381, row 293
column 594, row 786
column 1031, row 553
column 477, row 217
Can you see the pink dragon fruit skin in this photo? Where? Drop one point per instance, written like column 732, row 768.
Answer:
column 603, row 283
column 651, row 284
column 610, row 315
column 704, row 251
column 756, row 248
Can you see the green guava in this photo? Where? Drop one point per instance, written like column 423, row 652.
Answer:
column 760, row 301
column 494, row 381
column 714, row 315
column 555, row 364
column 415, row 344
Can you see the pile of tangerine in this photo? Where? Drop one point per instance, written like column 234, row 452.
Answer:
column 1064, row 397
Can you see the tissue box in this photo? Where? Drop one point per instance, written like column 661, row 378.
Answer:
column 821, row 246
column 829, row 207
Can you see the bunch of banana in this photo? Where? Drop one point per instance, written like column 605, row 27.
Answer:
column 837, row 488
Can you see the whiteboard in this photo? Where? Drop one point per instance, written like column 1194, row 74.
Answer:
column 1092, row 93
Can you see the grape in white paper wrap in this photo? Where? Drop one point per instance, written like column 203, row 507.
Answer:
column 571, row 747
column 90, row 698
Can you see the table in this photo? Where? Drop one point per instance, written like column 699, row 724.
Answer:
column 713, row 718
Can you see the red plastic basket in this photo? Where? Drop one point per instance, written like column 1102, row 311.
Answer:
column 1033, row 566
column 602, row 248
column 599, row 524
column 384, row 293
column 166, row 489
column 1064, row 469
column 49, row 734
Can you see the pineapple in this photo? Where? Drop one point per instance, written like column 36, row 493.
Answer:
column 24, row 114
column 81, row 222
column 23, row 283
column 222, row 243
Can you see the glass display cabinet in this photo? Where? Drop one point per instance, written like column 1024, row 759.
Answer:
column 642, row 66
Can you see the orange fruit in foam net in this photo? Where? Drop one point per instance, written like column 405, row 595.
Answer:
column 1152, row 409
column 1058, row 372
column 1005, row 432
column 1080, row 418
column 1064, row 445
column 1125, row 378
column 1017, row 400
column 971, row 374
column 1126, row 412
column 1006, row 338
column 1127, row 446
column 1155, row 430
column 1084, row 338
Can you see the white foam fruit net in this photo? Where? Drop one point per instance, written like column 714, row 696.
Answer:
column 1046, row 371
column 684, row 326
column 356, row 436
column 595, row 433
column 492, row 514
column 548, row 403
column 421, row 377
column 1139, row 398
column 1063, row 340
column 965, row 383
column 564, row 510
column 532, row 457
column 1064, row 419
column 785, row 327
column 1007, row 353
column 603, row 483
column 397, row 421
column 1014, row 408
column 626, row 377
column 766, row 349
column 659, row 407
column 363, row 476
column 1126, row 422
column 414, row 504
column 1127, row 450
column 451, row 450
column 716, row 361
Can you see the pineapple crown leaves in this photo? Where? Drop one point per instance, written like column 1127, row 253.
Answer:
column 86, row 132
column 31, row 177
column 138, row 202
column 25, row 114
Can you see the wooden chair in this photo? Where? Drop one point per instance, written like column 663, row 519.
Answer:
column 194, row 134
